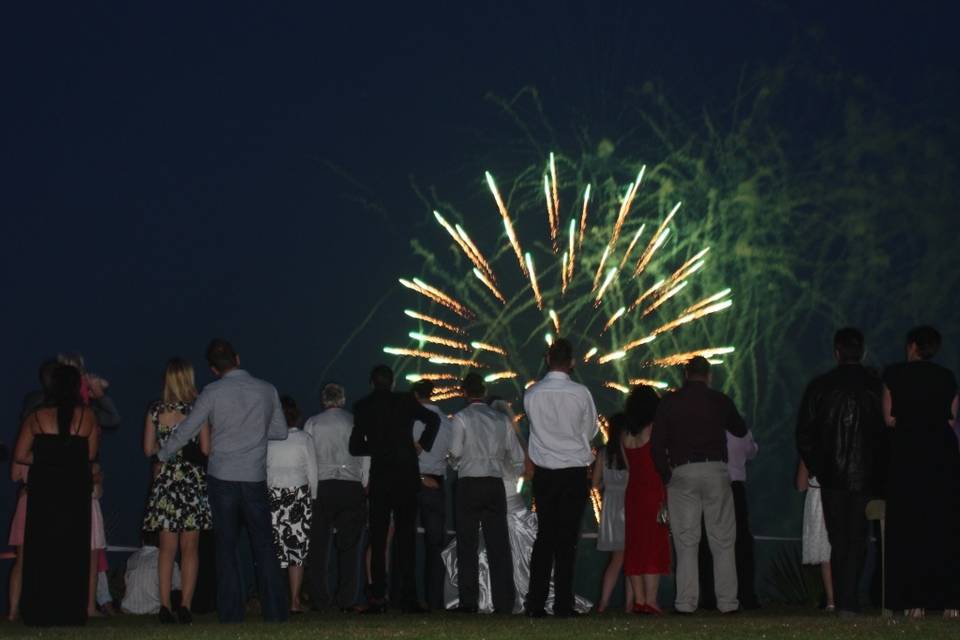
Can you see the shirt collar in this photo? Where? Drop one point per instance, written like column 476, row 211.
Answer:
column 235, row 372
column 556, row 375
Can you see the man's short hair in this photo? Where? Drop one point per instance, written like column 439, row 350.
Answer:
column 333, row 395
column 849, row 344
column 473, row 385
column 381, row 377
column 221, row 355
column 423, row 389
column 560, row 353
column 697, row 368
column 927, row 340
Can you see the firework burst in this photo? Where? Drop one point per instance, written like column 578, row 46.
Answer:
column 592, row 281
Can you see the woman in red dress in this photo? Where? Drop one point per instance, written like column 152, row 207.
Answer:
column 647, row 543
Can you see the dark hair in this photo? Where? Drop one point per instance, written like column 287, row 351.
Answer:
column 64, row 394
column 848, row 342
column 640, row 407
column 473, row 385
column 560, row 353
column 290, row 410
column 221, row 355
column 423, row 389
column 45, row 375
column 613, row 453
column 927, row 340
column 697, row 368
column 381, row 377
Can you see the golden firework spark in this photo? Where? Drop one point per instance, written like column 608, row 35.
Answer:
column 412, row 353
column 616, row 316
column 564, row 279
column 630, row 346
column 481, row 276
column 616, row 386
column 610, row 357
column 432, row 377
column 483, row 346
column 446, row 342
column 694, row 315
column 533, row 280
column 666, row 296
column 556, row 320
column 708, row 300
column 603, row 425
column 437, row 296
column 501, row 375
column 507, row 224
column 633, row 243
column 625, row 207
column 597, row 501
column 571, row 241
column 476, row 256
column 434, row 321
column 682, row 358
column 589, row 354
column 611, row 276
column 603, row 261
column 549, row 338
column 449, row 395
column 655, row 242
column 656, row 384
column 646, row 294
column 551, row 214
column 460, row 362
column 555, row 222
column 529, row 384
column 583, row 218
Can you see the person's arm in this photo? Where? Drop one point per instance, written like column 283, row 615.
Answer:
column 313, row 474
column 205, row 439
column 188, row 427
column 591, row 425
column 597, row 476
column 457, row 438
column 735, row 422
column 807, row 434
column 359, row 444
column 430, row 420
column 365, row 471
column 955, row 409
column 105, row 410
column 278, row 429
column 93, row 439
column 888, row 416
column 23, row 451
column 803, row 477
column 515, row 455
column 149, row 436
column 658, row 444
column 752, row 448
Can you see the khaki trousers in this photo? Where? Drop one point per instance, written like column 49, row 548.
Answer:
column 703, row 489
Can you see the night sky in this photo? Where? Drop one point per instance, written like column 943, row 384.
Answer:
column 181, row 171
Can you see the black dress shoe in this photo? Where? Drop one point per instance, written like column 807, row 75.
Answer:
column 535, row 613
column 414, row 608
column 166, row 616
column 375, row 606
column 184, row 616
column 567, row 614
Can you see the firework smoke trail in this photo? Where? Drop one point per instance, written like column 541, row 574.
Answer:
column 507, row 224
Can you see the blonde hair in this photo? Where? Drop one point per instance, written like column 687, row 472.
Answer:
column 178, row 381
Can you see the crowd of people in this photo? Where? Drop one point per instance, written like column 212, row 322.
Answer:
column 238, row 456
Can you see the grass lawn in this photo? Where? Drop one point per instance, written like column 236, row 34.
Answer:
column 767, row 624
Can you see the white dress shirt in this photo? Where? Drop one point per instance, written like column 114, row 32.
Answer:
column 331, row 431
column 292, row 462
column 142, row 593
column 739, row 450
column 484, row 442
column 434, row 462
column 563, row 421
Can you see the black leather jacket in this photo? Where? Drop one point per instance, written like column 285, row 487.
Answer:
column 840, row 429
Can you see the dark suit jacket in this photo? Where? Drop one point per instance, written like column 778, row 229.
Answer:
column 383, row 429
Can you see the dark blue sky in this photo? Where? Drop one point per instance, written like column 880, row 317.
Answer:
column 166, row 167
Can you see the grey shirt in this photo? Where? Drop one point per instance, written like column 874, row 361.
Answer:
column 330, row 431
column 434, row 462
column 243, row 413
column 484, row 443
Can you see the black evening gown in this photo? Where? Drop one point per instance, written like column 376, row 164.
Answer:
column 56, row 544
column 923, row 503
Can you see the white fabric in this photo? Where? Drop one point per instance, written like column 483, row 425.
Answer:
column 739, row 450
column 816, row 545
column 434, row 462
column 292, row 462
column 563, row 421
column 103, row 589
column 331, row 431
column 142, row 596
column 484, row 443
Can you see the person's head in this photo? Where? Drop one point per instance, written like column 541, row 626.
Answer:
column 697, row 369
column 178, row 381
column 473, row 386
column 423, row 390
column 45, row 374
column 619, row 424
column 381, row 378
column 290, row 411
column 640, row 407
column 333, row 396
column 221, row 357
column 71, row 359
column 65, row 394
column 848, row 345
column 922, row 343
column 560, row 356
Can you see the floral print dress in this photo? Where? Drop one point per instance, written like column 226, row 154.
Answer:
column 178, row 498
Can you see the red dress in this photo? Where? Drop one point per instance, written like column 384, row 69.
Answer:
column 646, row 547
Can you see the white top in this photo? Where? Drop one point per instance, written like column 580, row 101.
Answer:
column 434, row 462
column 563, row 421
column 292, row 462
column 739, row 450
column 331, row 431
column 484, row 442
column 142, row 593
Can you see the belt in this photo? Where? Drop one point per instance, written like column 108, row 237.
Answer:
column 695, row 459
